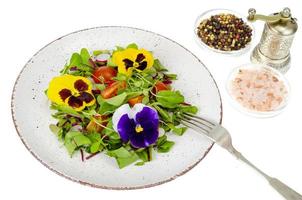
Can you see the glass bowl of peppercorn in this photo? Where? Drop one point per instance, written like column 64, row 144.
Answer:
column 224, row 31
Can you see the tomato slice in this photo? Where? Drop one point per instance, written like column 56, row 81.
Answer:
column 112, row 90
column 104, row 74
column 135, row 100
column 159, row 86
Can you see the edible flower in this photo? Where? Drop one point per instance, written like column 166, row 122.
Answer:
column 131, row 58
column 138, row 124
column 73, row 91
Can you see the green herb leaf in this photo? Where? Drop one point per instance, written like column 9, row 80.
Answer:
column 164, row 114
column 96, row 147
column 188, row 109
column 84, row 68
column 161, row 140
column 65, row 109
column 99, row 52
column 55, row 129
column 85, row 56
column 109, row 131
column 75, row 60
column 123, row 156
column 171, row 76
column 158, row 66
column 133, row 46
column 143, row 155
column 140, row 163
column 119, row 48
column 138, row 84
column 113, row 144
column 65, row 69
column 100, row 86
column 78, row 137
column 94, row 137
column 165, row 147
column 117, row 100
column 75, row 139
column 97, row 144
column 131, row 95
column 105, row 108
column 121, row 77
column 148, row 72
column 165, row 127
column 110, row 63
column 177, row 130
column 81, row 140
column 146, row 92
column 70, row 146
column 89, row 113
column 145, row 100
column 169, row 99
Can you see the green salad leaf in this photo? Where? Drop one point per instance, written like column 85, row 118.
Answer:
column 143, row 155
column 81, row 62
column 131, row 95
column 75, row 139
column 110, row 132
column 99, row 52
column 177, row 130
column 188, row 109
column 123, row 156
column 84, row 67
column 75, row 60
column 121, row 77
column 65, row 109
column 158, row 66
column 96, row 147
column 169, row 99
column 110, row 63
column 85, row 56
column 119, row 48
column 117, row 100
column 163, row 113
column 164, row 145
column 105, row 107
column 96, row 142
column 100, row 86
column 55, row 129
column 132, row 45
column 171, row 76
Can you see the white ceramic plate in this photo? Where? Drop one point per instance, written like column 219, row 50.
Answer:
column 32, row 116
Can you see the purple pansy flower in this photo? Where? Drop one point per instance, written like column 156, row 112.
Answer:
column 139, row 124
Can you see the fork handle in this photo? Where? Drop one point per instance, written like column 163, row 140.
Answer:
column 284, row 190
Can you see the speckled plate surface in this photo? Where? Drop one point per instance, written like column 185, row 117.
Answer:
column 32, row 116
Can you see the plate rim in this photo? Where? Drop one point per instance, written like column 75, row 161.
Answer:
column 96, row 185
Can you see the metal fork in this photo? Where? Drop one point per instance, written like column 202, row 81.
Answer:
column 221, row 136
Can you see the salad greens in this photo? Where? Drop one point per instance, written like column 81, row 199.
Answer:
column 87, row 125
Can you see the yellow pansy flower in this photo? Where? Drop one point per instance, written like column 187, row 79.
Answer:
column 73, row 91
column 130, row 58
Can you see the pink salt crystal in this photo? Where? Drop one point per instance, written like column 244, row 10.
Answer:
column 258, row 89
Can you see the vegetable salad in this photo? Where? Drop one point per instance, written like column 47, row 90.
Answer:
column 118, row 102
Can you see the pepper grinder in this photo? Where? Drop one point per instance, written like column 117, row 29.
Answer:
column 277, row 37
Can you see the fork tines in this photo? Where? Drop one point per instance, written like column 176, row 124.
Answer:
column 197, row 123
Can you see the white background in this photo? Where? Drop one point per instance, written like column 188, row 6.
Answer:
column 273, row 144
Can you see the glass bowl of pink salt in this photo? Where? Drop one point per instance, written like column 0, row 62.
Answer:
column 258, row 90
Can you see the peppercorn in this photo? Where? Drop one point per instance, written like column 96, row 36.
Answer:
column 225, row 32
